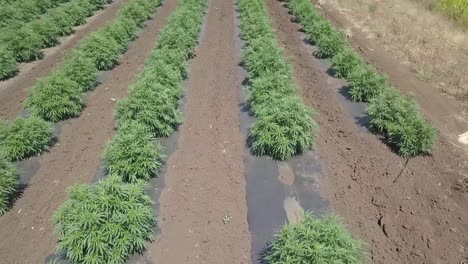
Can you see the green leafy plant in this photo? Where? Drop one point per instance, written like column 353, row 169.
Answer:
column 315, row 241
column 346, row 62
column 25, row 137
column 398, row 117
column 25, row 37
column 122, row 31
column 284, row 126
column 330, row 44
column 138, row 11
column 55, row 98
column 366, row 83
column 25, row 44
column 25, row 10
column 8, row 63
column 47, row 31
column 104, row 51
column 159, row 117
column 9, row 184
column 80, row 69
column 133, row 154
column 105, row 222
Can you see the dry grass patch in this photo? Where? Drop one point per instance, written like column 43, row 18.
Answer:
column 433, row 46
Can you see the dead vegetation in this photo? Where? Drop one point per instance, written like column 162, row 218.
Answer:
column 433, row 46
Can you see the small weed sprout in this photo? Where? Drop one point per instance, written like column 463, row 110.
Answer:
column 424, row 73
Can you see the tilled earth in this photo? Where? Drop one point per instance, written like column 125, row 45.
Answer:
column 407, row 211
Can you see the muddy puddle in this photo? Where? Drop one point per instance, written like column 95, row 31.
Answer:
column 278, row 192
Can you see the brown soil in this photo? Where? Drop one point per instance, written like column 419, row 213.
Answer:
column 14, row 91
column 27, row 229
column 205, row 176
column 417, row 219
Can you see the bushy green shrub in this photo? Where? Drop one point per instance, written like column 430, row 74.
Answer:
column 138, row 11
column 314, row 241
column 104, row 51
column 79, row 11
column 122, row 31
column 25, row 10
column 267, row 89
column 398, row 117
column 55, row 98
column 132, row 154
column 284, row 125
column 284, row 128
column 105, row 222
column 47, row 31
column 330, row 44
column 183, row 35
column 9, row 183
column 25, row 44
column 152, row 108
column 346, row 62
column 8, row 66
column 25, row 137
column 25, row 40
column 263, row 57
column 80, row 69
column 154, row 98
column 366, row 83
column 168, row 56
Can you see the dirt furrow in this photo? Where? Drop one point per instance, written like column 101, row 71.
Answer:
column 203, row 214
column 418, row 219
column 27, row 229
column 14, row 91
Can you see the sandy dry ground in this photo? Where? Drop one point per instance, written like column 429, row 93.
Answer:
column 27, row 229
column 205, row 176
column 426, row 41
